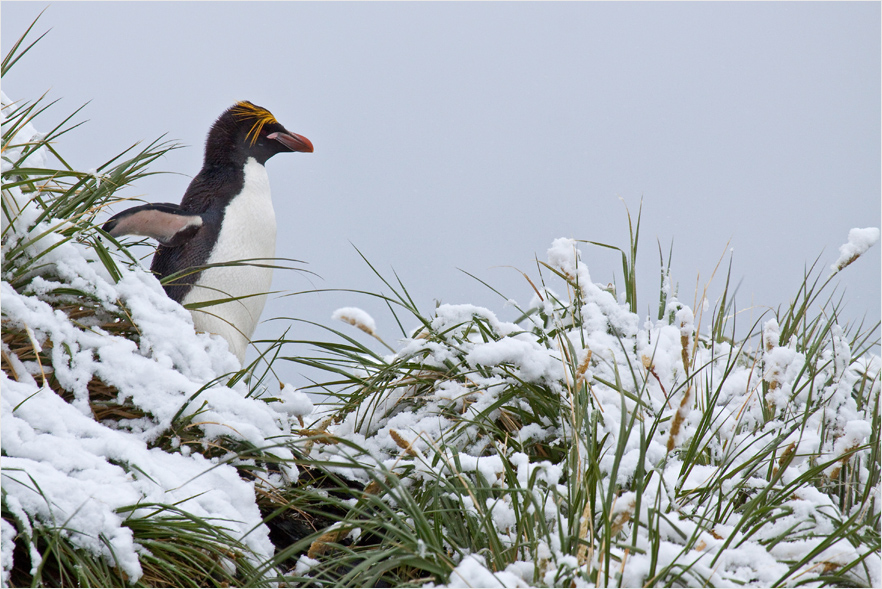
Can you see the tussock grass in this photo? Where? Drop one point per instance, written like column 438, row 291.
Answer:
column 675, row 473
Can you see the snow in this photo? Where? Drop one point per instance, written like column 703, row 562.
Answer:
column 357, row 317
column 521, row 352
column 473, row 572
column 859, row 241
column 564, row 255
column 7, row 538
column 64, row 467
column 293, row 402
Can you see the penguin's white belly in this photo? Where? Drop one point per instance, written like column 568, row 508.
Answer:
column 248, row 231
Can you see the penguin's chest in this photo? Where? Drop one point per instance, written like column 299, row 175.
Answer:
column 248, row 231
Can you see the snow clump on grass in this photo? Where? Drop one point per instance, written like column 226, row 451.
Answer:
column 859, row 241
column 356, row 317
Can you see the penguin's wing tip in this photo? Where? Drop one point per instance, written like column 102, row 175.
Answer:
column 166, row 223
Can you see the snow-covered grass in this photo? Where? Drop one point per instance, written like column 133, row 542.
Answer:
column 584, row 446
column 578, row 445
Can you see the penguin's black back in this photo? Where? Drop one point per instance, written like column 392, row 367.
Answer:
column 208, row 195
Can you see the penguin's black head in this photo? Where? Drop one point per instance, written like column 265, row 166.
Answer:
column 247, row 130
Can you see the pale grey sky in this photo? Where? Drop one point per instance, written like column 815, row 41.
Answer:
column 470, row 135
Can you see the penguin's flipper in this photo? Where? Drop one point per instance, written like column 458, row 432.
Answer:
column 167, row 223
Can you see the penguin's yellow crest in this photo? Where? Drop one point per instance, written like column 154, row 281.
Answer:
column 261, row 117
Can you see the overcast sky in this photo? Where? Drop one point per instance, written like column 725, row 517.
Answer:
column 471, row 135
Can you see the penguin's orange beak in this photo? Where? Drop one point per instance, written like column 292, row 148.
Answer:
column 292, row 141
